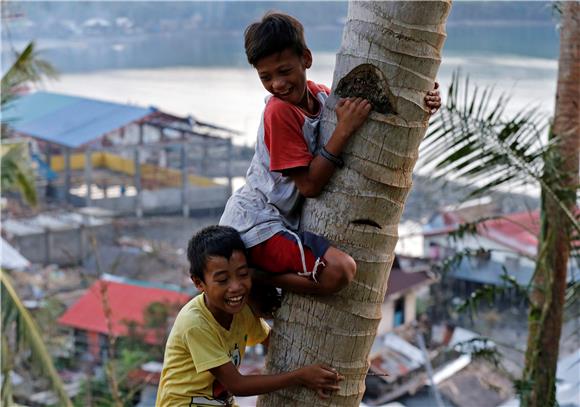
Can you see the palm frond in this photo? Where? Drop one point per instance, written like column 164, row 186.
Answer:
column 6, row 390
column 16, row 171
column 28, row 334
column 473, row 139
column 28, row 67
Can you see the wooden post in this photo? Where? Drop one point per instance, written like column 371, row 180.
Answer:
column 88, row 177
column 162, row 159
column 184, row 181
column 81, row 230
column 137, row 181
column 66, row 174
column 47, row 246
column 48, row 155
column 204, row 155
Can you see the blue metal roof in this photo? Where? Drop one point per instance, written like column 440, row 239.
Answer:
column 490, row 272
column 70, row 121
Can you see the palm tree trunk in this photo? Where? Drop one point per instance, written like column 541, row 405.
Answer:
column 390, row 55
column 561, row 173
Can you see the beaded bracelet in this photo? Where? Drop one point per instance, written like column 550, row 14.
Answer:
column 337, row 161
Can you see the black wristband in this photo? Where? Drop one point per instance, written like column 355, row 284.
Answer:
column 337, row 161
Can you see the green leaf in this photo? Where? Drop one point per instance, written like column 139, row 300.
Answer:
column 27, row 67
column 474, row 140
column 16, row 171
column 15, row 314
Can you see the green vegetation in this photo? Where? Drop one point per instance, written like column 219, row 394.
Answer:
column 473, row 139
column 19, row 330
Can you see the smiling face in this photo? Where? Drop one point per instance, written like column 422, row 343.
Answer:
column 227, row 286
column 284, row 75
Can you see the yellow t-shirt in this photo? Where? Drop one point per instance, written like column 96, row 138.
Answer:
column 197, row 343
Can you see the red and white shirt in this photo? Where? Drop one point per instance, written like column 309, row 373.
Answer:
column 270, row 202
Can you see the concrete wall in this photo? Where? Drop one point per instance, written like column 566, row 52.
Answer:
column 62, row 247
column 121, row 205
column 70, row 246
column 197, row 198
column 164, row 200
column 172, row 230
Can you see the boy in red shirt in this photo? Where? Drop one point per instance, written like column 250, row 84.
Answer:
column 288, row 165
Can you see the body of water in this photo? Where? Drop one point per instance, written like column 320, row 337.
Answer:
column 233, row 96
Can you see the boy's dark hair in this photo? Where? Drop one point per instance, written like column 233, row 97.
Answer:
column 275, row 33
column 219, row 241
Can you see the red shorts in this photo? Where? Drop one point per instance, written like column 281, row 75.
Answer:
column 281, row 253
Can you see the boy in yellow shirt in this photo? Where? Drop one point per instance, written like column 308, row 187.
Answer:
column 211, row 332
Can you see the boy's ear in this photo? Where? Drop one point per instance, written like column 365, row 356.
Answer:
column 198, row 283
column 307, row 58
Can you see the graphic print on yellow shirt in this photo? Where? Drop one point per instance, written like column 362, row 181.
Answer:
column 198, row 343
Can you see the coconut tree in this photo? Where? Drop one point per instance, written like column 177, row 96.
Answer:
column 16, row 173
column 27, row 68
column 472, row 138
column 561, row 175
column 390, row 55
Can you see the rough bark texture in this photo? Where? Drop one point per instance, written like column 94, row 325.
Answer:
column 390, row 53
column 549, row 284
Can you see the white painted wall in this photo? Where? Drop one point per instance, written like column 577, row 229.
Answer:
column 386, row 324
column 388, row 312
column 410, row 307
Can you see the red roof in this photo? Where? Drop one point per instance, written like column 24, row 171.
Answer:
column 127, row 302
column 518, row 231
